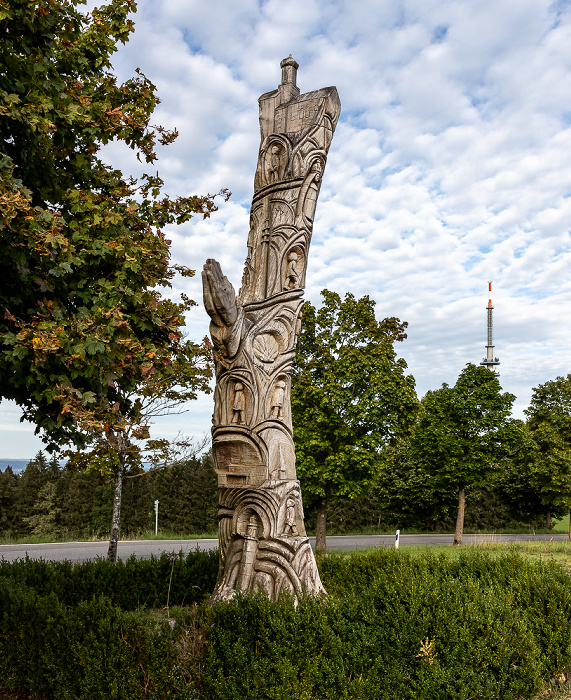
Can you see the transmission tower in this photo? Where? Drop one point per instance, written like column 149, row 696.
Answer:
column 490, row 361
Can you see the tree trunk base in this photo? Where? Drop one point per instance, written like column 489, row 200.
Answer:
column 263, row 544
column 460, row 518
column 321, row 527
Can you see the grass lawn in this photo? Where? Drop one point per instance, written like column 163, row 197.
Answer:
column 562, row 525
column 534, row 551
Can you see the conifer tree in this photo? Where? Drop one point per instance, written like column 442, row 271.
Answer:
column 8, row 499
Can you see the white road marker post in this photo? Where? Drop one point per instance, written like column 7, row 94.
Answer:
column 397, row 538
column 156, row 517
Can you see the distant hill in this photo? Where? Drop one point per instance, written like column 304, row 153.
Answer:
column 18, row 465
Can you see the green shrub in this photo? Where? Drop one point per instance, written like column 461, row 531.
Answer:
column 92, row 650
column 132, row 584
column 370, row 645
column 395, row 627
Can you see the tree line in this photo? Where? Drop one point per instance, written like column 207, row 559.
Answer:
column 365, row 442
column 51, row 501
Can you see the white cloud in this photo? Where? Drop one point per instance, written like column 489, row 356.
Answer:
column 449, row 166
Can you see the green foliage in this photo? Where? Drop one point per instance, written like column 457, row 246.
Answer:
column 419, row 627
column 519, row 491
column 82, row 318
column 547, row 457
column 90, row 651
column 350, row 395
column 462, row 434
column 44, row 518
column 464, row 430
column 132, row 584
column 370, row 645
column 407, row 494
column 80, row 503
column 8, row 491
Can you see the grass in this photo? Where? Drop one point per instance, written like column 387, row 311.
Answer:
column 559, row 552
column 562, row 525
column 558, row 688
column 551, row 550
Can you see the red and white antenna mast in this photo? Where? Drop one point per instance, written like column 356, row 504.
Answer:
column 490, row 361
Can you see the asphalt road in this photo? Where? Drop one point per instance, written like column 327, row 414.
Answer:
column 83, row 551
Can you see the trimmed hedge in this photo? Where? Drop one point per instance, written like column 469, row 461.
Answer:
column 132, row 584
column 395, row 627
column 93, row 650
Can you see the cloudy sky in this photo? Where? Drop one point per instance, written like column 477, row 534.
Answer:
column 450, row 166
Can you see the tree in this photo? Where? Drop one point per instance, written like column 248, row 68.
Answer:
column 548, row 456
column 409, row 497
column 350, row 397
column 82, row 318
column 516, row 486
column 114, row 432
column 463, row 432
column 44, row 519
column 8, row 499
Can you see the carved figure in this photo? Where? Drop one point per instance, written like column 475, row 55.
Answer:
column 278, row 400
column 239, row 404
column 254, row 337
column 292, row 278
column 275, row 164
column 290, row 529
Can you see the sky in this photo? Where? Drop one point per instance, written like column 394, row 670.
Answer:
column 449, row 167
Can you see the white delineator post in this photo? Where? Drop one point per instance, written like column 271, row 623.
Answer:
column 397, row 538
column 156, row 517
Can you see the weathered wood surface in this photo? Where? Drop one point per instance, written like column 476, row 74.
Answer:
column 263, row 543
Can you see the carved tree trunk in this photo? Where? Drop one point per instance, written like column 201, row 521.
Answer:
column 460, row 517
column 263, row 544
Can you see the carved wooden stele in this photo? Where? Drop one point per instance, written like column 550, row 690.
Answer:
column 263, row 544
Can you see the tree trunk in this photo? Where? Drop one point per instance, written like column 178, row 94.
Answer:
column 116, row 518
column 548, row 519
column 321, row 527
column 460, row 518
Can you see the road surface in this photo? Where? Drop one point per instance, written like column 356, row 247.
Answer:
column 83, row 551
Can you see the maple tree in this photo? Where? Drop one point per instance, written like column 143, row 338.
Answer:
column 82, row 318
column 86, row 335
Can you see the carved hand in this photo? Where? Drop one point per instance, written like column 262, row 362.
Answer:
column 219, row 295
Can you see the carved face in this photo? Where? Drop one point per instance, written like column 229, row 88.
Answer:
column 238, row 386
column 281, row 384
column 292, row 256
column 275, row 150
